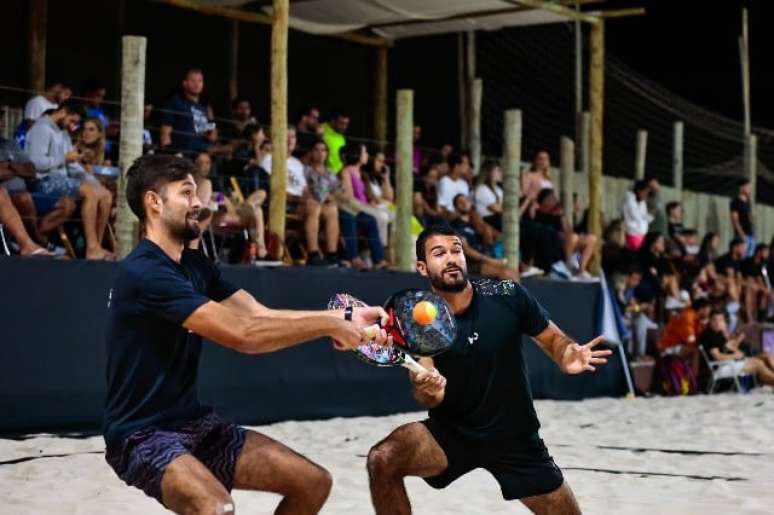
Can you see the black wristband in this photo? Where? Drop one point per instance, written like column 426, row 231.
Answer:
column 348, row 313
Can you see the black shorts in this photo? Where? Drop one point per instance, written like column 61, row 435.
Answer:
column 142, row 458
column 523, row 468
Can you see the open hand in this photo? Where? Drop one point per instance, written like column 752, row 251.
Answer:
column 581, row 358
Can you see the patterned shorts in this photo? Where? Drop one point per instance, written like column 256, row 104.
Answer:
column 58, row 186
column 142, row 458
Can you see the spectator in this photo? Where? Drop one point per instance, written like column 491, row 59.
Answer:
column 91, row 144
column 755, row 283
column 426, row 207
column 728, row 268
column 321, row 205
column 708, row 250
column 58, row 169
column 453, row 184
column 489, row 195
column 538, row 177
column 680, row 336
column 674, row 212
column 236, row 132
column 379, row 190
column 333, row 135
column 720, row 346
column 354, row 187
column 616, row 257
column 309, row 130
column 296, row 181
column 636, row 216
column 741, row 216
column 93, row 94
column 10, row 220
column 658, row 276
column 246, row 164
column 653, row 201
column 446, row 151
column 185, row 121
column 56, row 93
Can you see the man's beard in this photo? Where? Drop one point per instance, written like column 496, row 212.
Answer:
column 186, row 231
column 440, row 284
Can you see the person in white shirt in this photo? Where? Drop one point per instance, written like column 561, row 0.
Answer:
column 635, row 214
column 488, row 194
column 296, row 183
column 56, row 93
column 453, row 184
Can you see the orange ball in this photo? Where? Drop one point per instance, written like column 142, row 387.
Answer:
column 425, row 312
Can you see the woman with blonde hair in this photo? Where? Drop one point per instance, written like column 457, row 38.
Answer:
column 538, row 177
column 91, row 143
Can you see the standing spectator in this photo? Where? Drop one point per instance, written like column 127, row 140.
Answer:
column 489, row 195
column 756, row 287
column 52, row 153
column 636, row 216
column 741, row 216
column 185, row 121
column 659, row 222
column 333, row 135
column 354, row 187
column 236, row 132
column 453, row 184
column 56, row 93
column 308, row 130
column 322, row 188
column 538, row 177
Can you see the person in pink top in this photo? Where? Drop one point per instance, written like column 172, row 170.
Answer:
column 355, row 187
column 538, row 177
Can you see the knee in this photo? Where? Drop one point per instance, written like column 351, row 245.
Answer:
column 217, row 504
column 67, row 205
column 380, row 461
column 320, row 484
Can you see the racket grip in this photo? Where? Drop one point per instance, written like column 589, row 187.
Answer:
column 372, row 331
column 411, row 364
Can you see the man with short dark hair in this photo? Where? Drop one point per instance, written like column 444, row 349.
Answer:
column 729, row 268
column 235, row 132
column 165, row 299
column 57, row 92
column 741, row 216
column 333, row 135
column 481, row 412
column 308, row 131
column 185, row 122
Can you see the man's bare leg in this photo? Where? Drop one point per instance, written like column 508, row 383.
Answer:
column 410, row 450
column 26, row 208
column 758, row 368
column 189, row 487
column 10, row 218
column 559, row 502
column 62, row 212
column 267, row 465
column 103, row 212
column 330, row 214
column 312, row 226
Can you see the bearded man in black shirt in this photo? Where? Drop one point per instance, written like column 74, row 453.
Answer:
column 481, row 412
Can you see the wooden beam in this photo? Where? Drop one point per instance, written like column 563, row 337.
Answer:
column 279, row 123
column 233, row 61
column 264, row 19
column 511, row 186
column 380, row 97
column 556, row 8
column 404, row 178
column 476, row 92
column 596, row 103
column 620, row 13
column 462, row 89
column 567, row 176
column 677, row 157
column 641, row 154
column 38, row 18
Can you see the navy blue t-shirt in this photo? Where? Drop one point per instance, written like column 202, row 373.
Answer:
column 189, row 122
column 488, row 396
column 152, row 360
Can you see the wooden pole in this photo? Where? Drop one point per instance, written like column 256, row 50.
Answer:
column 641, row 156
column 567, row 178
column 584, row 137
column 476, row 92
column 130, row 145
column 404, row 178
column 677, row 157
column 511, row 186
column 279, row 123
column 233, row 61
column 596, row 103
column 38, row 21
column 462, row 89
column 751, row 163
column 380, row 98
column 744, row 57
column 470, row 76
column 578, row 64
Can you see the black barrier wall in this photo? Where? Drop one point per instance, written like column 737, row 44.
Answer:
column 52, row 375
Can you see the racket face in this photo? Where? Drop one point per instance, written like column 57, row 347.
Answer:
column 422, row 339
column 369, row 352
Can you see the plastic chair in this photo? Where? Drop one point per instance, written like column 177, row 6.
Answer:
column 718, row 372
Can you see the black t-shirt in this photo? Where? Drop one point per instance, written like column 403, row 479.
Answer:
column 465, row 230
column 488, row 396
column 552, row 221
column 189, row 121
column 152, row 360
column 726, row 262
column 742, row 208
column 675, row 229
column 750, row 268
column 710, row 339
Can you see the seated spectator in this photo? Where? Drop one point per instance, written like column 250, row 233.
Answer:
column 728, row 268
column 185, row 123
column 236, row 132
column 56, row 94
column 489, row 195
column 93, row 95
column 681, row 333
column 757, row 289
column 658, row 276
column 246, row 163
column 354, row 188
column 538, row 177
column 549, row 216
column 426, row 207
column 333, row 135
column 379, row 190
column 308, row 130
column 321, row 206
column 456, row 183
column 296, row 180
column 91, row 144
column 616, row 257
column 60, row 174
column 674, row 212
column 720, row 346
column 635, row 215
column 12, row 222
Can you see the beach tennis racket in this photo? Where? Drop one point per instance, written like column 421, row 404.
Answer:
column 432, row 333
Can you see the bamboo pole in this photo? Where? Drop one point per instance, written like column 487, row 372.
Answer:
column 596, row 103
column 38, row 21
column 511, row 186
column 641, row 154
column 677, row 157
column 279, row 123
column 130, row 145
column 744, row 58
column 462, row 89
column 578, row 64
column 583, row 125
column 380, row 98
column 476, row 92
column 567, row 175
column 404, row 178
column 233, row 61
column 751, row 163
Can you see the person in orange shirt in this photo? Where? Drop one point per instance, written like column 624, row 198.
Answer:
column 681, row 334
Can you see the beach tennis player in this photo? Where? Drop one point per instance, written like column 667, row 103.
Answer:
column 481, row 411
column 159, row 438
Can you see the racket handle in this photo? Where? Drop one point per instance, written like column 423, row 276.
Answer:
column 412, row 364
column 372, row 331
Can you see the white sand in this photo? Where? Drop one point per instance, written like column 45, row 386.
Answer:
column 82, row 483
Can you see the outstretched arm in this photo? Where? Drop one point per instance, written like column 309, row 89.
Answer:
column 571, row 357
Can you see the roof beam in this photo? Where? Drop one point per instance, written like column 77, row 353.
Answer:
column 556, row 8
column 621, row 13
column 264, row 19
